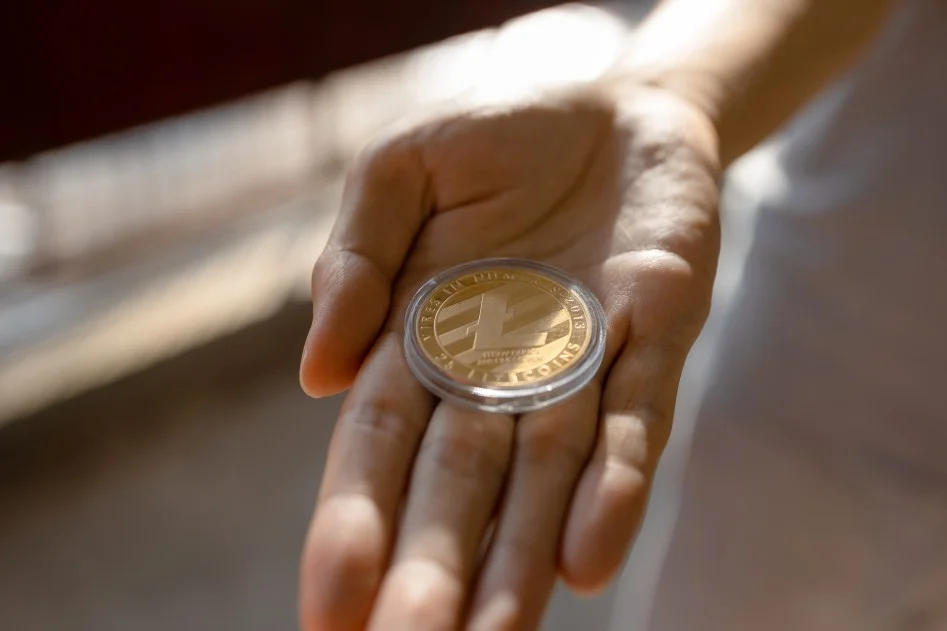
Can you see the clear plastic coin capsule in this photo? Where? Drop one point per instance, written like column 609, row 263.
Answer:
column 504, row 335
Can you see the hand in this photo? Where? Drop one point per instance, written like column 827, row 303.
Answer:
column 620, row 190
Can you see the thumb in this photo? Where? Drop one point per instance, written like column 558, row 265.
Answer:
column 383, row 206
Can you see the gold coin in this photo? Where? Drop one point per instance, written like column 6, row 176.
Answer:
column 503, row 327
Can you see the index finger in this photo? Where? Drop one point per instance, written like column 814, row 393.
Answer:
column 370, row 457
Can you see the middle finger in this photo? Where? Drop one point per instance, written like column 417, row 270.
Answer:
column 520, row 567
column 457, row 479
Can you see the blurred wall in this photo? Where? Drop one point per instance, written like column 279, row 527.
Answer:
column 75, row 69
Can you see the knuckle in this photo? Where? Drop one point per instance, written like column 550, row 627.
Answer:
column 552, row 445
column 636, row 438
column 339, row 559
column 384, row 160
column 340, row 553
column 420, row 587
column 380, row 419
column 325, row 270
column 524, row 549
column 470, row 450
column 561, row 437
column 421, row 604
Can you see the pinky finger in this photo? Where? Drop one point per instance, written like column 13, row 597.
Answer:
column 610, row 499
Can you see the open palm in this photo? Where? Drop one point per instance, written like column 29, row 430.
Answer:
column 433, row 517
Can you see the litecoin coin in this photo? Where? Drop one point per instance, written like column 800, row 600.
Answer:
column 504, row 335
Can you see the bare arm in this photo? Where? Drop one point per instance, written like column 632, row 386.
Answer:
column 749, row 64
column 618, row 188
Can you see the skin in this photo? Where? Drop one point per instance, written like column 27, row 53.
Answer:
column 434, row 518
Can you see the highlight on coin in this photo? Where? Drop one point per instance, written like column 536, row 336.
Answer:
column 504, row 335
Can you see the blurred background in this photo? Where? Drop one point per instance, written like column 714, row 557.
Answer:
column 168, row 173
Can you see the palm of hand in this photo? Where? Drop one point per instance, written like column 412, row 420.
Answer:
column 624, row 198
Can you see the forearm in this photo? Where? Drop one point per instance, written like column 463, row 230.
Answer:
column 749, row 64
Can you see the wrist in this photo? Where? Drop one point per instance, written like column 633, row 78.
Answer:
column 668, row 109
column 748, row 65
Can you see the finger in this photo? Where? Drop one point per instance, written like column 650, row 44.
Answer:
column 636, row 411
column 520, row 570
column 383, row 206
column 457, row 479
column 349, row 542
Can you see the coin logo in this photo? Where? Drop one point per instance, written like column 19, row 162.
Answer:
column 504, row 335
column 504, row 327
